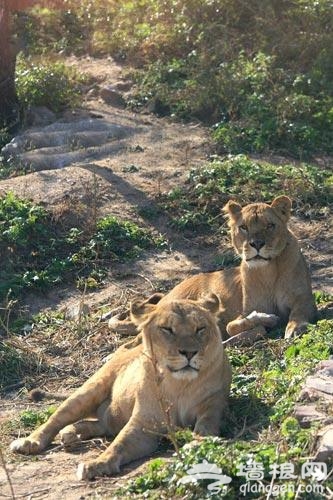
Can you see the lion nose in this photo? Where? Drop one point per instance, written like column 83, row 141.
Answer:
column 257, row 244
column 188, row 354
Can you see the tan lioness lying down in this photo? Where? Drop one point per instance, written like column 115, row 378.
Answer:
column 273, row 277
column 178, row 376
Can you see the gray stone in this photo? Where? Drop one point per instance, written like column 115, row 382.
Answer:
column 322, row 384
column 306, row 414
column 325, row 368
column 38, row 116
column 112, row 97
column 326, row 311
column 123, row 86
column 309, row 394
column 325, row 444
column 92, row 93
column 64, row 143
column 77, row 311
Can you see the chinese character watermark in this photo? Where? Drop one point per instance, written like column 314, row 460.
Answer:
column 254, row 474
column 205, row 470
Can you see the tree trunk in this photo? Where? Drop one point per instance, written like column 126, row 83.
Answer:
column 8, row 98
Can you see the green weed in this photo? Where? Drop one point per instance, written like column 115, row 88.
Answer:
column 50, row 84
column 198, row 203
column 322, row 297
column 40, row 254
column 31, row 418
column 118, row 239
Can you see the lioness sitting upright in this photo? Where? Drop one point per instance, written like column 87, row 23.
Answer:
column 273, row 277
column 178, row 376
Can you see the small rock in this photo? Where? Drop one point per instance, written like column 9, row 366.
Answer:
column 39, row 116
column 306, row 414
column 320, row 384
column 325, row 368
column 92, row 93
column 131, row 169
column 310, row 394
column 325, row 445
column 106, row 316
column 77, row 311
column 136, row 149
column 326, row 311
column 112, row 97
column 123, row 86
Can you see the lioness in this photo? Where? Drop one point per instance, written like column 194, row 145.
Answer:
column 273, row 277
column 178, row 376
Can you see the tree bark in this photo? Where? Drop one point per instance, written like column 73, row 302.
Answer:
column 8, row 98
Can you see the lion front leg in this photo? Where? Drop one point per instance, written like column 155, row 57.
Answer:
column 210, row 411
column 69, row 412
column 208, row 424
column 300, row 317
column 132, row 442
column 295, row 327
column 82, row 403
column 252, row 320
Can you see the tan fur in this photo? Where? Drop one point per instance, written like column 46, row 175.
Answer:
column 178, row 376
column 273, row 277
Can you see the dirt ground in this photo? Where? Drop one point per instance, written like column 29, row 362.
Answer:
column 153, row 159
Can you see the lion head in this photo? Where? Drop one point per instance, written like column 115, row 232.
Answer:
column 259, row 231
column 181, row 335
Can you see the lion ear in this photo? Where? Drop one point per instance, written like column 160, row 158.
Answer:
column 140, row 310
column 155, row 298
column 232, row 209
column 282, row 205
column 210, row 302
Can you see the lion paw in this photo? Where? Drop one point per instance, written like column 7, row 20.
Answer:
column 121, row 326
column 259, row 318
column 82, row 472
column 26, row 446
column 94, row 469
column 69, row 438
column 294, row 329
column 246, row 338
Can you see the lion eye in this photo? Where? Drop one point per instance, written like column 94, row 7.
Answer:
column 201, row 330
column 271, row 225
column 243, row 227
column 167, row 331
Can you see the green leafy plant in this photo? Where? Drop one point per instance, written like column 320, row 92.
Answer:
column 39, row 253
column 198, row 203
column 118, row 239
column 322, row 297
column 32, row 418
column 51, row 84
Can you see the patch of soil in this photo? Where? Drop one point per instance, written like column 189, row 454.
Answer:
column 51, row 475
